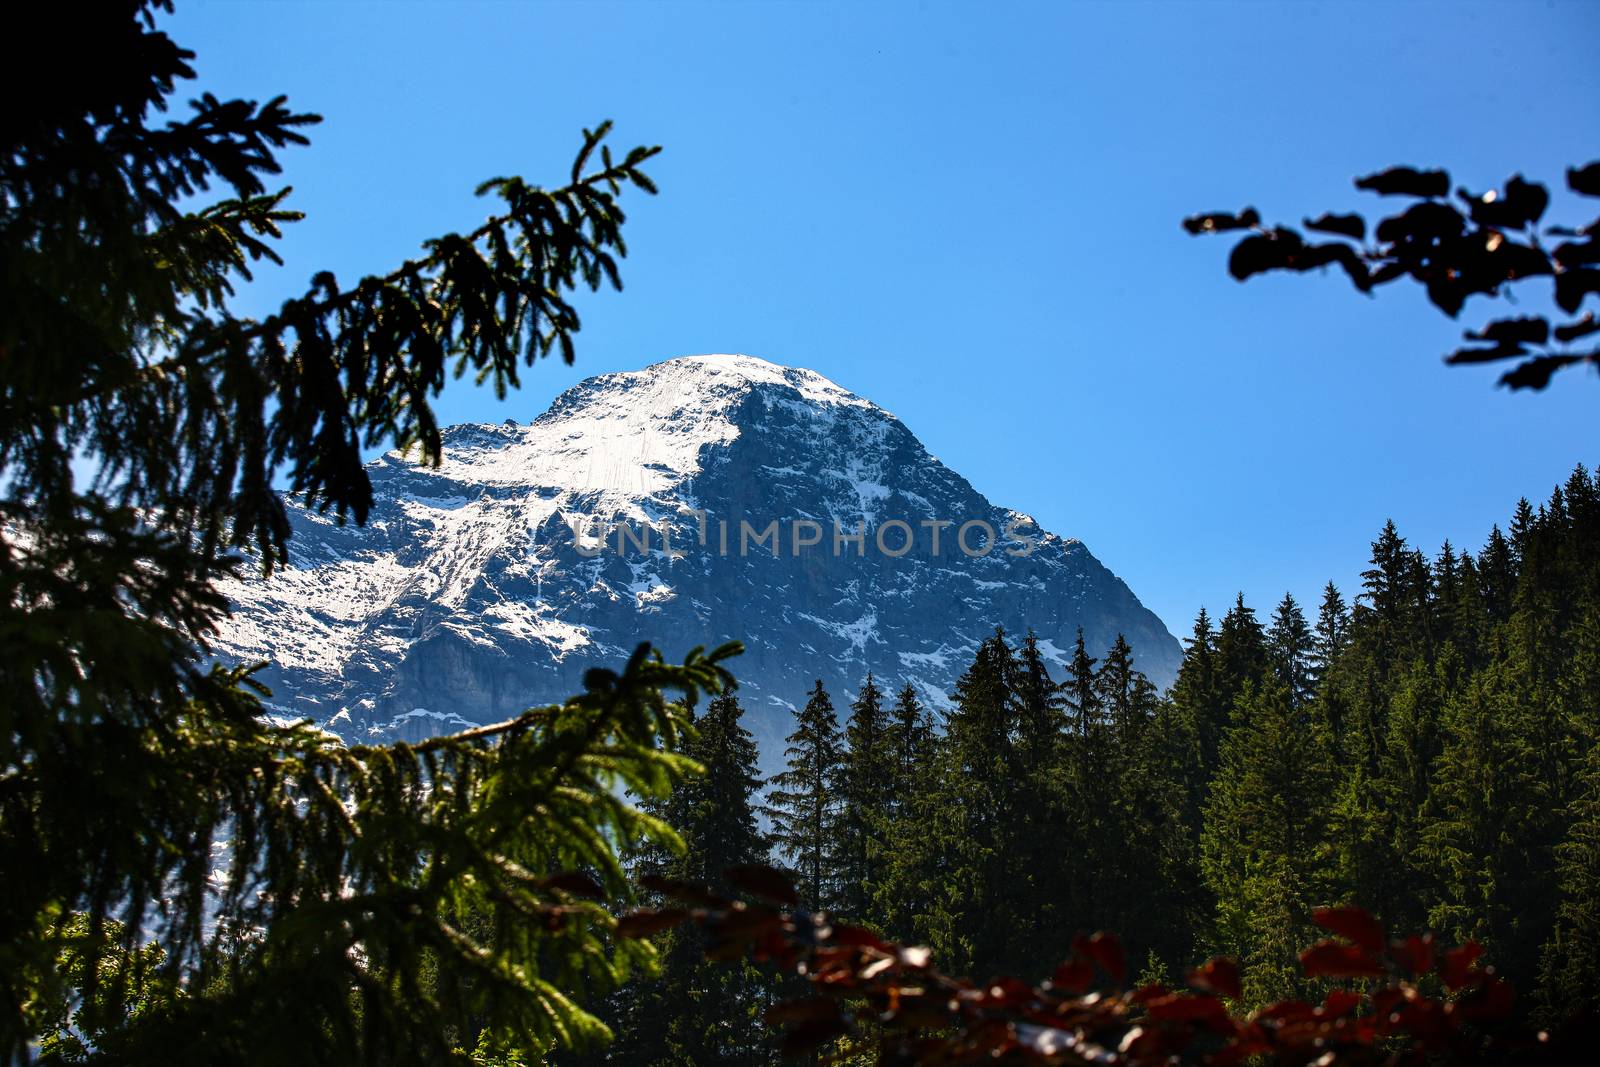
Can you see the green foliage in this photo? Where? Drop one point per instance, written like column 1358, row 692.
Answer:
column 419, row 887
column 1034, row 816
column 1570, row 969
column 1428, row 756
column 1486, row 824
column 1263, row 846
column 866, row 778
column 119, row 986
column 184, row 878
column 697, row 1013
column 1289, row 650
column 804, row 801
column 909, row 875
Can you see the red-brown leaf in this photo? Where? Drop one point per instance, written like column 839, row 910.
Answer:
column 1339, row 1002
column 801, row 1010
column 1353, row 924
column 1220, row 975
column 1492, row 1003
column 1148, row 993
column 688, row 892
column 649, row 921
column 763, row 881
column 1188, row 1008
column 1075, row 975
column 1329, row 959
column 1415, row 953
column 1105, row 950
column 1456, row 966
column 1008, row 991
column 846, row 934
column 805, row 1036
column 1284, row 1011
column 575, row 882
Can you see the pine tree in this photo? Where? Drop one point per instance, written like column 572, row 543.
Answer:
column 1198, row 720
column 1388, row 633
column 1139, row 809
column 1289, row 648
column 1241, row 652
column 1126, row 695
column 984, row 722
column 1081, row 700
column 1523, row 522
column 699, row 1012
column 1395, row 588
column 910, row 745
column 1330, row 635
column 1497, row 575
column 1470, row 625
column 966, row 855
column 803, row 802
column 715, row 812
column 868, row 781
column 1172, row 906
column 1262, row 849
column 1391, row 883
column 1486, row 817
column 1448, row 590
column 1459, row 612
column 903, row 899
column 1583, row 505
column 1048, row 832
column 1040, row 721
column 1570, row 962
column 1086, row 795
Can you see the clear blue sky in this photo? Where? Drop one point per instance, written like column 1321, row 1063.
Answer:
column 969, row 213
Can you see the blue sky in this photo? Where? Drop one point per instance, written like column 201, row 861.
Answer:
column 970, row 214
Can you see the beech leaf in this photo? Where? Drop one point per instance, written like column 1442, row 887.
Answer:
column 1457, row 964
column 1219, row 221
column 1406, row 181
column 1329, row 959
column 1571, row 331
column 1536, row 373
column 1531, row 329
column 1353, row 226
column 1220, row 975
column 763, row 881
column 1353, row 924
column 1585, row 179
column 637, row 924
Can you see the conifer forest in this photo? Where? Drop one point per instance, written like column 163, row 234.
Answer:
column 1413, row 749
column 283, row 777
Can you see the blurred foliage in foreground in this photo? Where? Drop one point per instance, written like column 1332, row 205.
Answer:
column 867, row 1000
column 1492, row 241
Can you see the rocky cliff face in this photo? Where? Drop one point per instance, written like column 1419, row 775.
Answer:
column 698, row 500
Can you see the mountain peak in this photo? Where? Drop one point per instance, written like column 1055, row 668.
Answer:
column 737, row 369
column 633, row 431
column 766, row 504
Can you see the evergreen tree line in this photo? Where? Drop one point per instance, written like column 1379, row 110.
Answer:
column 1426, row 752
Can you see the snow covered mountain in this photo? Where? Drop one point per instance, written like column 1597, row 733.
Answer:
column 700, row 499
